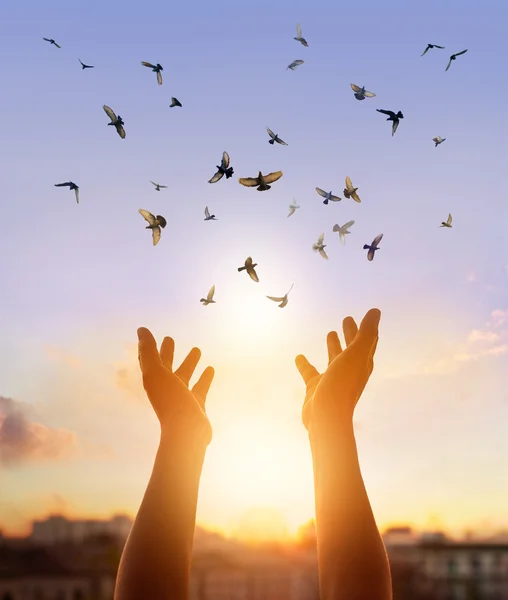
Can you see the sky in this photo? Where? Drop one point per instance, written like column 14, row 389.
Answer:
column 78, row 280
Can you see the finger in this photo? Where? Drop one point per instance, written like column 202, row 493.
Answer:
column 368, row 331
column 307, row 371
column 186, row 369
column 350, row 329
column 167, row 352
column 334, row 347
column 149, row 358
column 200, row 389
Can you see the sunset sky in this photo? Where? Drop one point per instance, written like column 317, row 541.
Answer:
column 77, row 434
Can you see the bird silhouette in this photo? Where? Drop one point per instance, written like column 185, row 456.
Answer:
column 249, row 267
column 261, row 181
column 373, row 247
column 294, row 64
column 208, row 216
column 429, row 47
column 283, row 300
column 392, row 117
column 342, row 230
column 116, row 121
column 360, row 93
column 327, row 196
column 83, row 66
column 222, row 169
column 154, row 223
column 438, row 140
column 209, row 298
column 292, row 208
column 157, row 186
column 51, row 41
column 156, row 69
column 72, row 186
column 275, row 138
column 174, row 102
column 350, row 191
column 299, row 37
column 453, row 57
column 320, row 247
column 448, row 221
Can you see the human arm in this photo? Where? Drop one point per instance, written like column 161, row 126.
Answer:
column 352, row 560
column 156, row 558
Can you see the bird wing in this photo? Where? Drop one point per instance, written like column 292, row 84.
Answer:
column 147, row 215
column 159, row 77
column 298, row 30
column 370, row 253
column 369, row 94
column 347, row 225
column 207, row 212
column 218, row 176
column 449, row 63
column 211, row 293
column 153, row 183
column 335, row 198
column 76, row 191
column 156, row 235
column 289, row 289
column 436, row 46
column 163, row 186
column 46, row 39
column 248, row 261
column 147, row 64
column 67, row 183
column 120, row 130
column 355, row 88
column 270, row 133
column 321, row 238
column 342, row 237
column 394, row 126
column 110, row 113
column 390, row 113
column 271, row 177
column 376, row 240
column 449, row 220
column 355, row 197
column 249, row 181
column 291, row 210
column 275, row 299
column 425, row 51
column 459, row 53
column 252, row 273
column 58, row 46
column 225, row 160
column 349, row 185
column 323, row 253
column 321, row 192
column 282, row 142
column 284, row 302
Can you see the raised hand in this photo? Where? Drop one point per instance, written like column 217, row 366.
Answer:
column 331, row 397
column 181, row 411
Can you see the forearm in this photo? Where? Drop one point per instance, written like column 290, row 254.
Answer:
column 353, row 564
column 157, row 556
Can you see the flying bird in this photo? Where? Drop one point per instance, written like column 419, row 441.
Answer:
column 342, row 230
column 51, row 41
column 429, row 47
column 327, row 196
column 223, row 169
column 438, row 140
column 392, row 117
column 174, row 102
column 283, row 301
column 72, row 186
column 350, row 191
column 83, row 66
column 117, row 122
column 448, row 221
column 320, row 247
column 294, row 64
column 373, row 247
column 292, row 208
column 209, row 298
column 249, row 267
column 275, row 138
column 299, row 37
column 360, row 93
column 208, row 216
column 154, row 223
column 261, row 181
column 453, row 57
column 156, row 69
column 158, row 187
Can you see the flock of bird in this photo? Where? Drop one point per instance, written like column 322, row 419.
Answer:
column 263, row 182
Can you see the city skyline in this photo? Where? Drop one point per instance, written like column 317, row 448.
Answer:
column 77, row 434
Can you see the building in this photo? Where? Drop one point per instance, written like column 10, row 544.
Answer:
column 58, row 529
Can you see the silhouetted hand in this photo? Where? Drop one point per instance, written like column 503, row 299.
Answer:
column 332, row 396
column 181, row 411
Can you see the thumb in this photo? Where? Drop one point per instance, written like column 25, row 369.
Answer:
column 149, row 357
column 368, row 331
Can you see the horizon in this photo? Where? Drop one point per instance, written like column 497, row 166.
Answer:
column 79, row 279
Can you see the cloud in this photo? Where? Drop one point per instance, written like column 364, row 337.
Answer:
column 128, row 376
column 23, row 440
column 61, row 356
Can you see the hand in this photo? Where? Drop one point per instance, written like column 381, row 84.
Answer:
column 180, row 411
column 331, row 397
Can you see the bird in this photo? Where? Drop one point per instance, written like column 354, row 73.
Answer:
column 360, row 93
column 438, row 140
column 51, row 41
column 72, row 186
column 429, row 47
column 284, row 300
column 209, row 298
column 327, row 196
column 117, row 122
column 294, row 64
column 154, row 223
column 350, row 191
column 156, row 69
column 261, row 181
column 453, row 57
column 392, row 117
column 174, row 102
column 342, row 230
column 373, row 247
column 320, row 247
column 208, row 216
column 275, row 138
column 158, row 187
column 83, row 66
column 448, row 221
column 249, row 267
column 223, row 169
column 299, row 37
column 292, row 208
